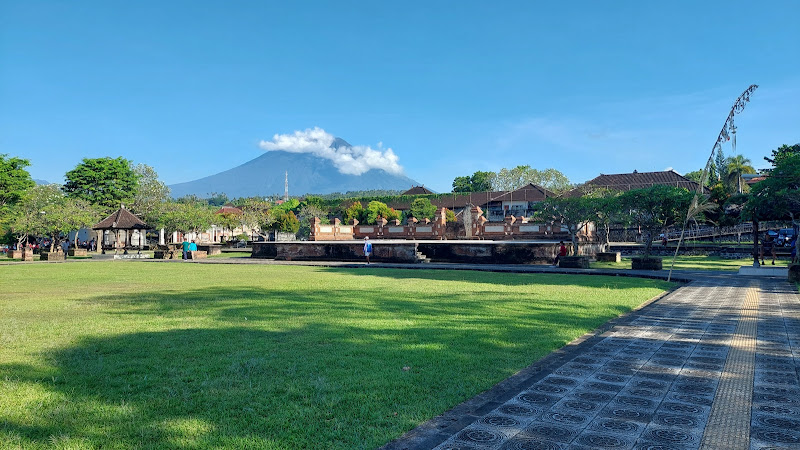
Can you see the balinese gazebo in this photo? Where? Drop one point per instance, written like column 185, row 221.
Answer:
column 121, row 224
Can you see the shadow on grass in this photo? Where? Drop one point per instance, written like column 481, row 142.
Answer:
column 273, row 368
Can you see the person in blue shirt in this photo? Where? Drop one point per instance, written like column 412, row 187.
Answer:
column 193, row 247
column 367, row 248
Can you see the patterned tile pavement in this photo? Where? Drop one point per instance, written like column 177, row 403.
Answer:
column 726, row 344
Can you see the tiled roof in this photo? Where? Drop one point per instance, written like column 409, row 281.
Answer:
column 640, row 180
column 418, row 190
column 529, row 193
column 122, row 219
column 229, row 209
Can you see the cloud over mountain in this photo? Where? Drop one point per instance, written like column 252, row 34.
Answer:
column 348, row 159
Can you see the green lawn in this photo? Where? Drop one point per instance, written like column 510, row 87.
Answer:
column 161, row 355
column 232, row 255
column 686, row 262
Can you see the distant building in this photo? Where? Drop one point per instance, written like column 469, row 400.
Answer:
column 640, row 180
column 496, row 204
column 418, row 190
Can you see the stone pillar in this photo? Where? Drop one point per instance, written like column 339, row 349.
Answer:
column 379, row 226
column 314, row 225
column 466, row 217
column 509, row 226
column 336, row 223
column 161, row 237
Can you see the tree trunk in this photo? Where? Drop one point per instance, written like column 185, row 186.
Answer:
column 755, row 243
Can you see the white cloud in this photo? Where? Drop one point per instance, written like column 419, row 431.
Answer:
column 353, row 160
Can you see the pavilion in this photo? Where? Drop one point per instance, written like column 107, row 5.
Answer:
column 121, row 226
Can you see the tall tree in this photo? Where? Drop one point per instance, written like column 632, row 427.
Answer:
column 14, row 181
column 150, row 195
column 736, row 167
column 479, row 182
column 102, row 181
column 511, row 179
column 46, row 211
column 422, row 208
column 720, row 165
column 573, row 213
column 654, row 209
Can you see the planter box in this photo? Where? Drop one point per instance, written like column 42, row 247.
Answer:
column 25, row 255
column 198, row 254
column 609, row 256
column 78, row 252
column 210, row 249
column 646, row 264
column 52, row 256
column 164, row 254
column 794, row 273
column 574, row 262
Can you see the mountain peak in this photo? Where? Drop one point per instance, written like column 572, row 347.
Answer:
column 339, row 142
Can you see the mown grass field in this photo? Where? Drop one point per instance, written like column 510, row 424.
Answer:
column 162, row 355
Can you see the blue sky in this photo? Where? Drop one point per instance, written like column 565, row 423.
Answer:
column 586, row 87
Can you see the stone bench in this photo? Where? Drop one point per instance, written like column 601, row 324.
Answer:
column 198, row 254
column 609, row 257
column 164, row 254
column 25, row 255
column 78, row 252
column 52, row 256
column 573, row 262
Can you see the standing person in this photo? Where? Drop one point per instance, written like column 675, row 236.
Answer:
column 185, row 247
column 193, row 246
column 367, row 248
column 562, row 252
column 768, row 247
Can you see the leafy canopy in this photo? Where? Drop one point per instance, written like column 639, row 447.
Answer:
column 107, row 182
column 14, row 181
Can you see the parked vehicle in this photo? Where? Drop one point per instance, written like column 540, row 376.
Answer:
column 785, row 236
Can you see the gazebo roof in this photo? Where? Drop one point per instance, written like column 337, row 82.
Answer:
column 122, row 219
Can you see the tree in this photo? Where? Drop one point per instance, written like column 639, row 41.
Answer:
column 107, row 182
column 186, row 217
column 14, row 181
column 46, row 211
column 307, row 212
column 654, row 209
column 355, row 212
column 478, row 182
column 781, row 152
column 286, row 222
column 511, row 179
column 778, row 196
column 736, row 166
column 150, row 194
column 422, row 208
column 606, row 212
column 377, row 209
column 256, row 215
column 27, row 220
column 571, row 212
column 720, row 166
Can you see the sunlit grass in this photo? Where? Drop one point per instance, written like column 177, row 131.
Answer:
column 162, row 355
column 697, row 262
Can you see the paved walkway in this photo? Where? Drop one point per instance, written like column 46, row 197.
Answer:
column 712, row 365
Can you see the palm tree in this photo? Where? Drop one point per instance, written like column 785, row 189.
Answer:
column 737, row 166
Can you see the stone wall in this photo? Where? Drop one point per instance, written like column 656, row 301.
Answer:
column 472, row 226
column 488, row 252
